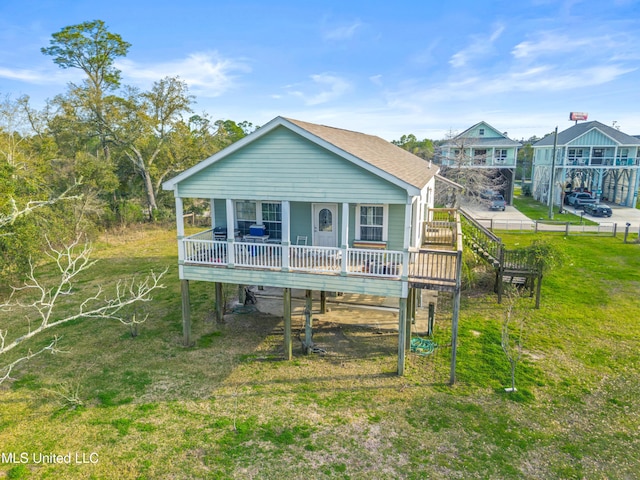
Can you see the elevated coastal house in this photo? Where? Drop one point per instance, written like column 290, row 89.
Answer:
column 306, row 206
column 483, row 147
column 589, row 156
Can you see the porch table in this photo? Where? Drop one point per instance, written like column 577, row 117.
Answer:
column 255, row 238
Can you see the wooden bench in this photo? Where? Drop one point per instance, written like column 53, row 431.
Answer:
column 369, row 245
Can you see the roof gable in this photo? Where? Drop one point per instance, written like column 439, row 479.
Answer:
column 367, row 151
column 482, row 134
column 572, row 135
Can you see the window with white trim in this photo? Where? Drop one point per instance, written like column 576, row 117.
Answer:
column 500, row 155
column 245, row 215
column 269, row 214
column 371, row 223
column 272, row 219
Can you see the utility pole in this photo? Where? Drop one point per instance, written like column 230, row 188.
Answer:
column 553, row 171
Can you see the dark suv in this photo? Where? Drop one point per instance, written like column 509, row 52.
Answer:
column 598, row 210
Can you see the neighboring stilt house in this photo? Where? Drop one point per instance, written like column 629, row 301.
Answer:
column 299, row 205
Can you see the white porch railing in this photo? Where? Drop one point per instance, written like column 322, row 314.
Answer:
column 207, row 252
column 315, row 259
column 258, row 255
column 200, row 250
column 386, row 263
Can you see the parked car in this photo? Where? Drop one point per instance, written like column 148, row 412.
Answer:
column 497, row 202
column 579, row 199
column 488, row 194
column 598, row 210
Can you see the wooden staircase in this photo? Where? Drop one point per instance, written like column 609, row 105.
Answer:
column 512, row 267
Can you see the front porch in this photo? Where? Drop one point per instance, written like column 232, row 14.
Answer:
column 432, row 265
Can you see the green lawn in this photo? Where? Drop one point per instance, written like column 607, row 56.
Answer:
column 229, row 407
column 539, row 211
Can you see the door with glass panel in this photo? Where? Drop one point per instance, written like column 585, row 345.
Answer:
column 325, row 223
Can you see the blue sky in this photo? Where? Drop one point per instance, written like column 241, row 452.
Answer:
column 380, row 67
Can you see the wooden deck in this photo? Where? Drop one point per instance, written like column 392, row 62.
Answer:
column 435, row 265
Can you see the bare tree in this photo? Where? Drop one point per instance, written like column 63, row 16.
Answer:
column 468, row 168
column 16, row 212
column 40, row 302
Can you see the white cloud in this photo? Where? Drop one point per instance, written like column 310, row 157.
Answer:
column 44, row 76
column 376, row 80
column 206, row 73
column 342, row 32
column 480, row 47
column 556, row 43
column 330, row 88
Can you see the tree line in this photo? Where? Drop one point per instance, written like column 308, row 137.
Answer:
column 103, row 148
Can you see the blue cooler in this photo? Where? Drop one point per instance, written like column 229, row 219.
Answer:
column 257, row 230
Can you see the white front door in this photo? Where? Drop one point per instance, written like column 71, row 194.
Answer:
column 325, row 224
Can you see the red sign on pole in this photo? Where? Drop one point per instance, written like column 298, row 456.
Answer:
column 578, row 116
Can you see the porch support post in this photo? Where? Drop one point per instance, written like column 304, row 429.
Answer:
column 308, row 324
column 219, row 303
column 344, row 238
column 180, row 228
column 402, row 334
column 599, row 186
column 186, row 313
column 629, row 189
column 636, row 185
column 231, row 254
column 286, row 296
column 212, row 211
column 242, row 295
column 323, row 302
column 411, row 308
column 454, row 319
column 286, row 234
column 407, row 239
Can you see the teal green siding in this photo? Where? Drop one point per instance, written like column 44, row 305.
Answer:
column 352, row 224
column 327, row 283
column 301, row 222
column 396, row 227
column 285, row 166
column 543, row 156
column 488, row 132
column 593, row 137
column 220, row 213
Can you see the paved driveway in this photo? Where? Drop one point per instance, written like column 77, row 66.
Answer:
column 512, row 219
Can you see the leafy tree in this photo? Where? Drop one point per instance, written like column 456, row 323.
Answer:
column 144, row 127
column 90, row 47
column 421, row 148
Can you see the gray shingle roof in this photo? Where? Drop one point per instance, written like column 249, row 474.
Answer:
column 375, row 151
column 476, row 141
column 570, row 134
column 484, row 142
column 372, row 153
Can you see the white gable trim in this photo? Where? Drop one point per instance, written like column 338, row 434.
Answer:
column 276, row 122
column 170, row 184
